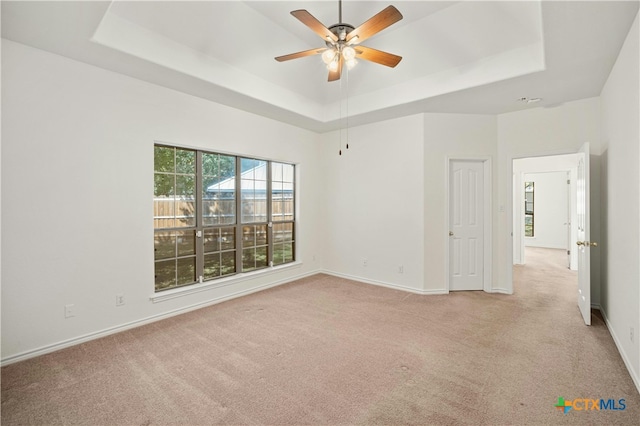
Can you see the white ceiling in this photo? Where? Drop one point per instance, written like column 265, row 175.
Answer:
column 464, row 57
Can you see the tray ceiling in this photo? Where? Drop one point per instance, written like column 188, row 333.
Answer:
column 465, row 57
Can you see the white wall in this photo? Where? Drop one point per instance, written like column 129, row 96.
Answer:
column 388, row 197
column 452, row 136
column 620, row 242
column 550, row 210
column 375, row 203
column 77, row 181
column 539, row 132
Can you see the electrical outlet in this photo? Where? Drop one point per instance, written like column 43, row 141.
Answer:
column 69, row 311
column 631, row 334
column 365, row 261
column 119, row 299
column 401, row 269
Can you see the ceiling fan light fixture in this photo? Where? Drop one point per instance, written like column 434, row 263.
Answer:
column 328, row 56
column 333, row 65
column 348, row 53
column 351, row 63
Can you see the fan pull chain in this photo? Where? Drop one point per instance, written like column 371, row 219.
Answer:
column 340, row 120
column 347, row 107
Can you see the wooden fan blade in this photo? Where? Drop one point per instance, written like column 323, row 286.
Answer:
column 316, row 26
column 335, row 75
column 300, row 54
column 377, row 23
column 377, row 56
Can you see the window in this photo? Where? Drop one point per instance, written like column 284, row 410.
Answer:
column 217, row 215
column 282, row 212
column 253, row 194
column 528, row 209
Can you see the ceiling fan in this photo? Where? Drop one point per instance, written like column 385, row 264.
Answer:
column 343, row 41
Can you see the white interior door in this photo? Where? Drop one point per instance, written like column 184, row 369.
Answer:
column 466, row 221
column 583, row 243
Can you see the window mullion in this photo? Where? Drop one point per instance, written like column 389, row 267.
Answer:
column 269, row 216
column 199, row 219
column 239, row 245
column 175, row 214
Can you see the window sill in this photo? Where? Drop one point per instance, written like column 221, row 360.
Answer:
column 222, row 282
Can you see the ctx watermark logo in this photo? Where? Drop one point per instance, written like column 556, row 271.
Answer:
column 590, row 404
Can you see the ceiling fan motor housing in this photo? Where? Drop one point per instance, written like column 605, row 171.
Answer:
column 341, row 31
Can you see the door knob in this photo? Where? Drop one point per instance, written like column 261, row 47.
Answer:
column 451, row 233
column 587, row 243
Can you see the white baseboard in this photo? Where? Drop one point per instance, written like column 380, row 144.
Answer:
column 385, row 284
column 632, row 372
column 500, row 291
column 127, row 326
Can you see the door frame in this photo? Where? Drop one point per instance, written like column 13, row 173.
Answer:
column 487, row 219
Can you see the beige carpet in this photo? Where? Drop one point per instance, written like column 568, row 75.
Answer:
column 324, row 350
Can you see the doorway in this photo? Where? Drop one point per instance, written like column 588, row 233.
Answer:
column 581, row 225
column 544, row 206
column 546, row 219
